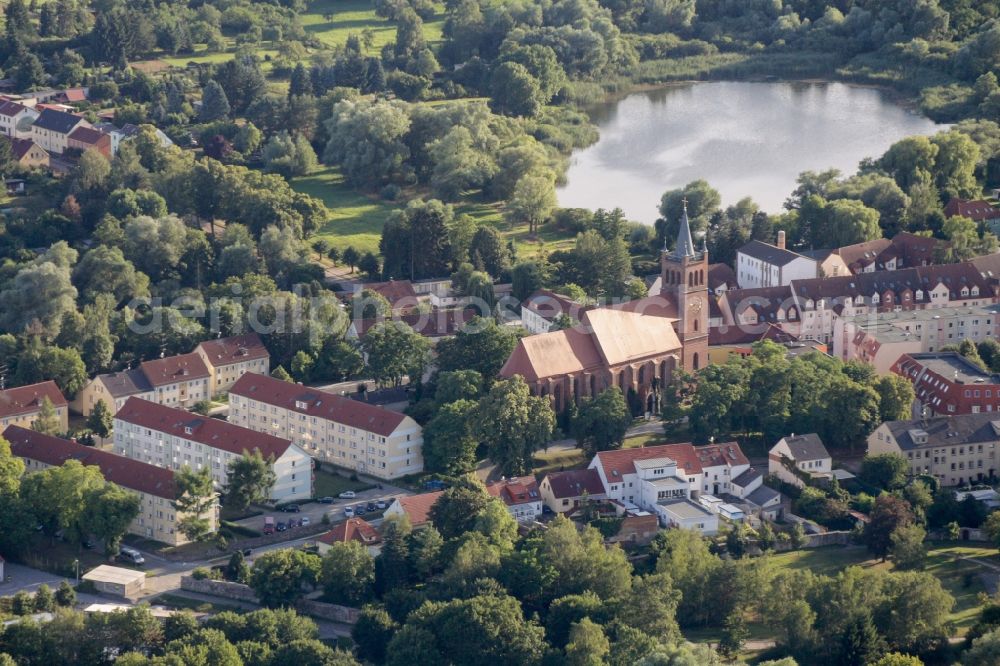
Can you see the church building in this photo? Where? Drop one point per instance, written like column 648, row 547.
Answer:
column 635, row 346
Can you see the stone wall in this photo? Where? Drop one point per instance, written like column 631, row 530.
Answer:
column 331, row 612
column 240, row 592
column 219, row 588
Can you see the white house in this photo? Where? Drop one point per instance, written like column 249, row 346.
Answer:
column 760, row 264
column 804, row 452
column 688, row 515
column 174, row 438
column 16, row 119
column 520, row 496
column 657, row 476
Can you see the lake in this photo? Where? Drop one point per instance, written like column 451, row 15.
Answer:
column 745, row 139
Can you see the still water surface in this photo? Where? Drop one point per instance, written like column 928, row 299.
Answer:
column 746, row 139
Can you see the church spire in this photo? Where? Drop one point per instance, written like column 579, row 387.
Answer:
column 685, row 245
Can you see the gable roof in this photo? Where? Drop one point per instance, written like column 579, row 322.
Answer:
column 173, row 369
column 769, row 254
column 623, row 336
column 720, row 275
column 976, row 210
column 552, row 354
column 548, row 304
column 806, row 447
column 762, row 495
column 352, row 529
column 692, row 459
column 418, row 507
column 11, row 108
column 20, row 147
column 127, row 382
column 515, row 491
column 202, row 429
column 234, row 349
column 57, row 121
column 747, row 477
column 436, row 324
column 28, row 399
column 88, row 135
column 370, row 418
column 574, row 483
column 126, row 472
column 863, row 254
column 395, row 291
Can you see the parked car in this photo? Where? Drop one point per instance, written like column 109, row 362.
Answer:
column 371, row 506
column 130, row 556
column 247, row 551
column 349, row 511
column 381, row 504
column 325, row 500
column 269, row 525
column 435, row 485
column 347, row 494
column 282, row 526
column 304, row 521
column 291, row 508
column 359, row 510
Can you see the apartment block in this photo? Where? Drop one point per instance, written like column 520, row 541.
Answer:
column 228, row 359
column 154, row 485
column 173, row 438
column 368, row 439
column 20, row 406
column 956, row 450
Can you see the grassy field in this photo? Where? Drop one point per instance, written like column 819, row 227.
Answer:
column 332, row 21
column 355, row 219
column 944, row 561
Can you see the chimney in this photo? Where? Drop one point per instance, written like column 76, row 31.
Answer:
column 781, row 240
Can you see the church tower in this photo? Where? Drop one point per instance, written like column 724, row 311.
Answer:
column 684, row 279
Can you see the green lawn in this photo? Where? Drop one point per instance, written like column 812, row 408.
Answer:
column 348, row 17
column 328, row 484
column 355, row 219
column 944, row 561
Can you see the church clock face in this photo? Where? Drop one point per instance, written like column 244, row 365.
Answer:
column 696, row 304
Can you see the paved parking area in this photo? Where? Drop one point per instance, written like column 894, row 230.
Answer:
column 315, row 511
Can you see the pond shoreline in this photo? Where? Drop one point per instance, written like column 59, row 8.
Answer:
column 746, row 137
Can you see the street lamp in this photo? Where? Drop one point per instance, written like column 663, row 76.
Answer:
column 76, row 563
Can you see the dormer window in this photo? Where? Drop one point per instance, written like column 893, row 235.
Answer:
column 188, row 430
column 875, row 299
column 919, row 295
column 300, row 404
column 975, row 291
column 965, row 291
column 809, row 304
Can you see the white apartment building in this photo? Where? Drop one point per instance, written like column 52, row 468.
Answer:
column 174, row 438
column 881, row 338
column 760, row 264
column 365, row 438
